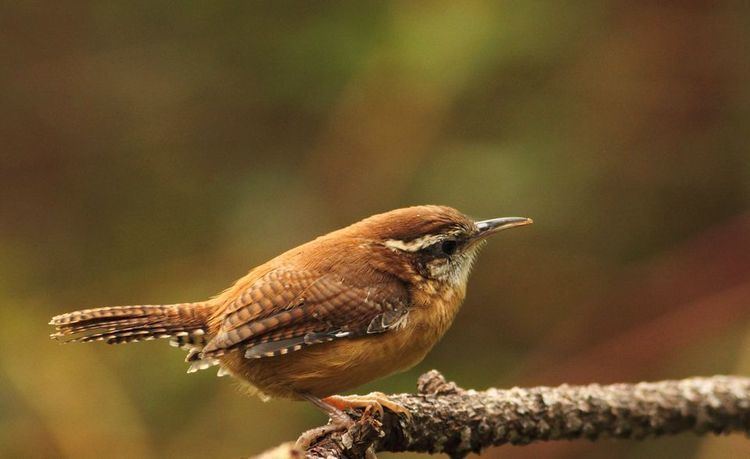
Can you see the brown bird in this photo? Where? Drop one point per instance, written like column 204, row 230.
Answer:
column 349, row 307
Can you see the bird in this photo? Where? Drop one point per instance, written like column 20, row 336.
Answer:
column 346, row 308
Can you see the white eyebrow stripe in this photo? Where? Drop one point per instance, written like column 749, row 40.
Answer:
column 413, row 245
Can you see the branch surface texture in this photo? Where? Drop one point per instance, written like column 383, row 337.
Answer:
column 451, row 420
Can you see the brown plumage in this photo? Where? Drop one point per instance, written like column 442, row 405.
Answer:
column 125, row 324
column 346, row 308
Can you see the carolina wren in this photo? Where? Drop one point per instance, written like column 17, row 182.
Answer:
column 354, row 305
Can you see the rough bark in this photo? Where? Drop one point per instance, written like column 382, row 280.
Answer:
column 451, row 420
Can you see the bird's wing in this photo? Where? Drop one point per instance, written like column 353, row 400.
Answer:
column 287, row 310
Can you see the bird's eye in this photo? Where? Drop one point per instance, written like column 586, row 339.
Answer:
column 448, row 247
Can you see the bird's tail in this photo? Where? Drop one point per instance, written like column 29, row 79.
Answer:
column 184, row 323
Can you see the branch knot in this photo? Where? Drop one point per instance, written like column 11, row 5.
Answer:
column 434, row 383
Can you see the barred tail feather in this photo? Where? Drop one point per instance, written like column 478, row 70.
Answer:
column 125, row 324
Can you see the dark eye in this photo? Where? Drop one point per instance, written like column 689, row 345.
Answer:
column 448, row 247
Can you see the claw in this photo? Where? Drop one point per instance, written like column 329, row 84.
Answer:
column 334, row 407
column 372, row 401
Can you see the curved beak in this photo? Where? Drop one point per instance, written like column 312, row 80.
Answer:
column 495, row 225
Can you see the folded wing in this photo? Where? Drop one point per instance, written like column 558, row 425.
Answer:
column 287, row 310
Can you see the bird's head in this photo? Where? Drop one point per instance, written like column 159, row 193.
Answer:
column 440, row 242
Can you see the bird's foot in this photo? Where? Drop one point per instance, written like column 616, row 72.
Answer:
column 335, row 405
column 372, row 401
column 339, row 421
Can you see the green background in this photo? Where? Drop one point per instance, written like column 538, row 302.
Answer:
column 152, row 152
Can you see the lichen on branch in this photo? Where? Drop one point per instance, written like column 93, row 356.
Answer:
column 451, row 420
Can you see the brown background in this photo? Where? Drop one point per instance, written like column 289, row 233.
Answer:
column 154, row 151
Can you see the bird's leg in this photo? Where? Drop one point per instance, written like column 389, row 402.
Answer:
column 339, row 421
column 372, row 401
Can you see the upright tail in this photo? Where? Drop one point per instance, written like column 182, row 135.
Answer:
column 125, row 324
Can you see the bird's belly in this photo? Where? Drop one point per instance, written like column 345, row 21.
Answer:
column 330, row 368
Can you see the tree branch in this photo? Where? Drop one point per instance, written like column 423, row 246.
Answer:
column 448, row 419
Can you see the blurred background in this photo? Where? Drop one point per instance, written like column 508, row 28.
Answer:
column 153, row 152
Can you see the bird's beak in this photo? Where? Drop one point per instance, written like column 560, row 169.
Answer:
column 495, row 225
